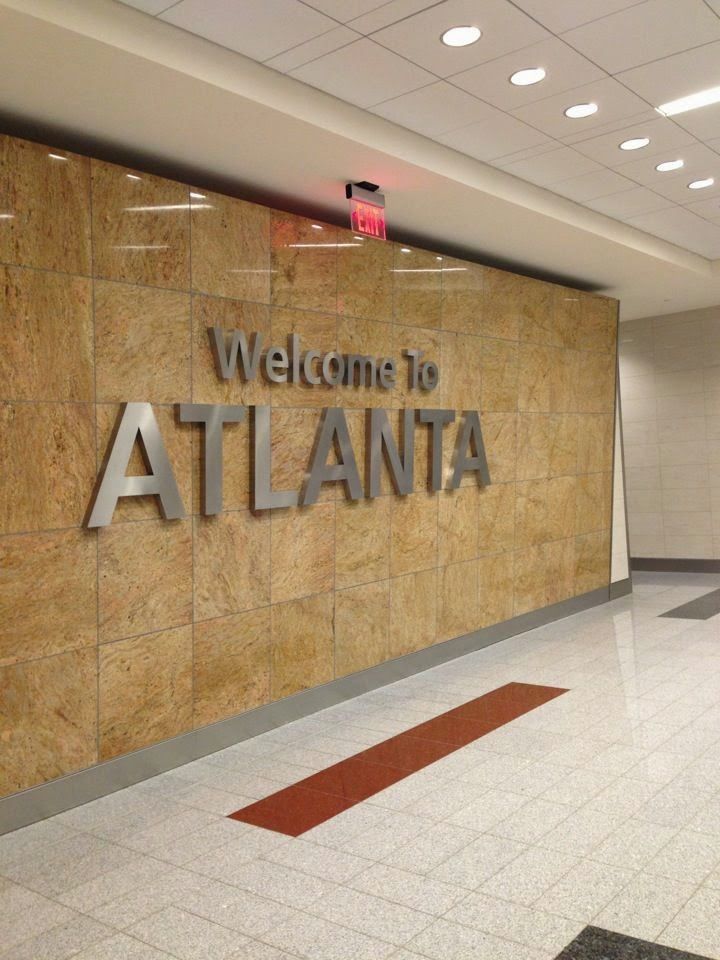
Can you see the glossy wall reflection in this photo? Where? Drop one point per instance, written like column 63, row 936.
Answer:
column 116, row 639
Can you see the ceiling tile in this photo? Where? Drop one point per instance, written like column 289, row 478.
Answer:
column 150, row 6
column 709, row 209
column 363, row 73
column 697, row 158
column 703, row 124
column 344, row 10
column 715, row 4
column 647, row 31
column 387, row 13
column 676, row 188
column 676, row 76
column 683, row 228
column 592, row 185
column 259, row 30
column 497, row 135
column 664, row 135
column 629, row 203
column 614, row 101
column 559, row 15
column 550, row 167
column 435, row 109
column 564, row 68
column 312, row 49
column 504, row 28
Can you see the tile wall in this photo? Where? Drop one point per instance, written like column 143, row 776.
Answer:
column 670, row 384
column 116, row 639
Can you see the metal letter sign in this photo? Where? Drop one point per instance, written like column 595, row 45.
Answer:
column 236, row 354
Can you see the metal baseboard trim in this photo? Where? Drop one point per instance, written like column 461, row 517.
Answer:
column 621, row 588
column 674, row 565
column 75, row 789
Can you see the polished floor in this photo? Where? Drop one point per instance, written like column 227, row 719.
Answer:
column 585, row 827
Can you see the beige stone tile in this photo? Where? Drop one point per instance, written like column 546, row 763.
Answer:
column 495, row 589
column 231, row 315
column 237, row 466
column 536, row 374
column 292, row 443
column 463, row 285
column 457, row 612
column 145, row 690
column 364, row 277
column 362, row 625
column 561, row 493
column 145, row 577
column 593, row 503
column 595, row 442
column 141, row 228
column 48, row 718
column 416, row 287
column 517, row 307
column 534, row 444
column 536, row 311
column 142, row 344
column 567, row 311
column 46, row 337
column 458, row 524
column 596, row 383
column 178, row 440
column 462, row 371
column 592, row 561
column 362, row 541
column 597, row 327
column 430, row 343
column 500, row 435
column 413, row 612
column 559, row 562
column 366, row 338
column 50, row 203
column 317, row 331
column 231, row 567
column 302, row 644
column 529, row 579
column 231, row 665
column 230, row 247
column 303, row 551
column 414, row 533
column 47, row 452
column 48, row 594
column 496, row 519
column 563, row 444
column 499, row 376
column 531, row 509
column 304, row 263
column 564, row 382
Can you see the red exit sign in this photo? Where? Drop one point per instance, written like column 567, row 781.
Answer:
column 367, row 211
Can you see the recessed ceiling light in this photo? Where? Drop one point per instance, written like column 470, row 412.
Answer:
column 702, row 99
column 580, row 110
column 701, row 184
column 461, row 36
column 525, row 78
column 637, row 143
column 668, row 165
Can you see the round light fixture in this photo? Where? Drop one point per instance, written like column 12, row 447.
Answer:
column 580, row 110
column 461, row 36
column 526, row 78
column 668, row 165
column 637, row 143
column 701, row 184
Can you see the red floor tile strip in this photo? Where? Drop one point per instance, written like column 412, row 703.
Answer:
column 322, row 796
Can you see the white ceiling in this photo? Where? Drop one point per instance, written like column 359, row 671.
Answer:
column 626, row 55
column 106, row 79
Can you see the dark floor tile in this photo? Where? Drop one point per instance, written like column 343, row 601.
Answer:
column 702, row 608
column 596, row 944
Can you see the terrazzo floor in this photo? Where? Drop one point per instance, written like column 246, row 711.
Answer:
column 599, row 808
